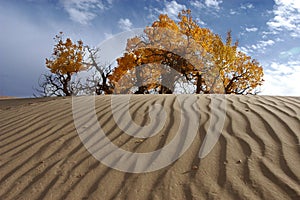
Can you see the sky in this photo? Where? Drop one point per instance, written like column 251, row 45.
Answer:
column 267, row 30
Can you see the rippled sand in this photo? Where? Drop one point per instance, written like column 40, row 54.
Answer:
column 257, row 155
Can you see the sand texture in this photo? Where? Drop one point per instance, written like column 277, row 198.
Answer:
column 257, row 156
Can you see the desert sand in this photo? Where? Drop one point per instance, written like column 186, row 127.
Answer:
column 257, row 155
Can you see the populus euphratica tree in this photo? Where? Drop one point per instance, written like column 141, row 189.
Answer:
column 171, row 53
column 66, row 60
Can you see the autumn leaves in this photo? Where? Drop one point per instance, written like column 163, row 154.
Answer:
column 169, row 55
column 67, row 56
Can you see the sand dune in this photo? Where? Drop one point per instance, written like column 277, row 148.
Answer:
column 257, row 155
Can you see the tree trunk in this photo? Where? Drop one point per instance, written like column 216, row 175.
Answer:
column 66, row 82
column 199, row 83
column 104, row 87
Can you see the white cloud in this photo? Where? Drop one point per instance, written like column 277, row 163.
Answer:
column 83, row 11
column 291, row 53
column 200, row 22
column 215, row 4
column 254, row 29
column 125, row 24
column 241, row 9
column 259, row 47
column 246, row 50
column 173, row 8
column 232, row 12
column 79, row 16
column 247, row 6
column 286, row 17
column 197, row 4
column 282, row 79
column 264, row 43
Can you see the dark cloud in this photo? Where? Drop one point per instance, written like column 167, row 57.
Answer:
column 23, row 49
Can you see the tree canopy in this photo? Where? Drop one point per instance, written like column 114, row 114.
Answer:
column 67, row 56
column 171, row 53
column 66, row 60
column 171, row 56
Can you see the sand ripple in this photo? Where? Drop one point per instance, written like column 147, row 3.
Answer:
column 256, row 157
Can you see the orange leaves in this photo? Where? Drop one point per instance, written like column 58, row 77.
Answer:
column 67, row 57
column 165, row 22
column 191, row 50
column 243, row 76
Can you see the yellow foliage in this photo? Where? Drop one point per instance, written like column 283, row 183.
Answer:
column 67, row 57
column 189, row 49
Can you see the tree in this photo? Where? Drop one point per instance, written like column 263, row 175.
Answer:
column 98, row 81
column 75, row 69
column 66, row 61
column 172, row 52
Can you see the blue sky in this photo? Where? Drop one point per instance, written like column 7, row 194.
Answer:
column 267, row 30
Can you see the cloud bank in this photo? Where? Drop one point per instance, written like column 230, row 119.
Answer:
column 286, row 17
column 83, row 11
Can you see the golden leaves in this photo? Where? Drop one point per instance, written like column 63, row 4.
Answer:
column 67, row 57
column 187, row 48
